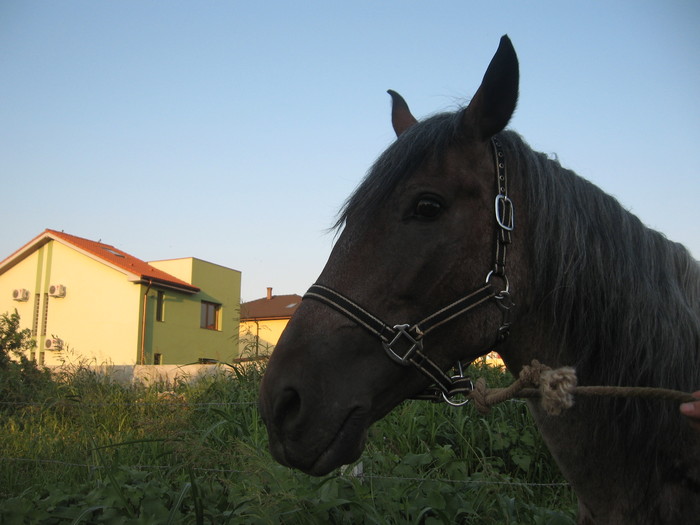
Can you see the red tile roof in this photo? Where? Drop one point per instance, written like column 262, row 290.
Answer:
column 276, row 307
column 137, row 269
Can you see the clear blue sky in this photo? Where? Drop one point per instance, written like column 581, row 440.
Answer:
column 233, row 131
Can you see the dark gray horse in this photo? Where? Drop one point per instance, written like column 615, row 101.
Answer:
column 432, row 267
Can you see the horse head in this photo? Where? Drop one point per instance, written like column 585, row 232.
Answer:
column 419, row 245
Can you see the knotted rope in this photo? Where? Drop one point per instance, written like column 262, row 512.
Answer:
column 556, row 389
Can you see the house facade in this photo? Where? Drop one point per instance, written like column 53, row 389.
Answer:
column 88, row 300
column 263, row 321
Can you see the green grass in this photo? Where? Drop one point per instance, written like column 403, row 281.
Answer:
column 88, row 450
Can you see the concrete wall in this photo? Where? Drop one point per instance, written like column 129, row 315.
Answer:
column 159, row 374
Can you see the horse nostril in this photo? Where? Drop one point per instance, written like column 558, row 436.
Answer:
column 286, row 409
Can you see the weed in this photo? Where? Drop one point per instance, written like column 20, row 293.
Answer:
column 89, row 450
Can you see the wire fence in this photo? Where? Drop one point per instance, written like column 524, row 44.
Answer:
column 357, row 473
column 69, row 402
column 96, row 452
column 361, row 475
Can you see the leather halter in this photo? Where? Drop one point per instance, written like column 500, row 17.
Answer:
column 403, row 343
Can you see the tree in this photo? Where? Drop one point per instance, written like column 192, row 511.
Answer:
column 20, row 379
column 13, row 341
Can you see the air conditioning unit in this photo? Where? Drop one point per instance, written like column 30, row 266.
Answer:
column 20, row 294
column 57, row 290
column 53, row 343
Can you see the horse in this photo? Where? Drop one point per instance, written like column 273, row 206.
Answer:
column 430, row 267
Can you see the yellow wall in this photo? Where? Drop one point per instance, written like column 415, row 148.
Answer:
column 97, row 319
column 179, row 338
column 180, row 268
column 260, row 337
column 99, row 316
column 22, row 276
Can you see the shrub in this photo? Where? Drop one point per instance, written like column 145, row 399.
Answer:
column 21, row 380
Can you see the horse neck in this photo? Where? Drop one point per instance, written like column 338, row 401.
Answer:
column 620, row 303
column 626, row 460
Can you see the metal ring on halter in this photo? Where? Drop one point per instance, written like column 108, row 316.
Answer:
column 458, row 403
column 504, row 300
column 504, row 277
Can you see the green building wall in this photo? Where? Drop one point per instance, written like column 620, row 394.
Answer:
column 179, row 338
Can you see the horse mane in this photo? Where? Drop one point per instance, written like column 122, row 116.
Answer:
column 620, row 293
column 621, row 300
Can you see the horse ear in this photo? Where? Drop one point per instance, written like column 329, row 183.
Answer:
column 494, row 102
column 401, row 117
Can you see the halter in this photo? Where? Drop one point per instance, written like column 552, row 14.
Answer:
column 403, row 343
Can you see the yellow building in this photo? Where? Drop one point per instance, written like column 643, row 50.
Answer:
column 262, row 322
column 97, row 302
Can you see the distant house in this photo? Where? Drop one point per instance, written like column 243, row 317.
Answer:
column 262, row 322
column 102, row 304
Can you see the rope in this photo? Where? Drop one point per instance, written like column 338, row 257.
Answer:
column 556, row 389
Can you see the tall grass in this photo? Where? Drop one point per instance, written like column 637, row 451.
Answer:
column 90, row 450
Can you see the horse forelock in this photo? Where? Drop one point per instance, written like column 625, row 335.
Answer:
column 423, row 141
column 622, row 301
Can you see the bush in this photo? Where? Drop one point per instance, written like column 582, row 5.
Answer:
column 104, row 453
column 21, row 381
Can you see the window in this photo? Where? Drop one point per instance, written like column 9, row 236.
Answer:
column 210, row 315
column 157, row 359
column 114, row 253
column 160, row 307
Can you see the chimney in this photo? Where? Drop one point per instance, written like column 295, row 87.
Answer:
column 269, row 293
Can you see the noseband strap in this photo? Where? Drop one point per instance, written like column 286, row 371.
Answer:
column 403, row 343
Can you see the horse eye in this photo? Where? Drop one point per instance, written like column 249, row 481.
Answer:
column 428, row 208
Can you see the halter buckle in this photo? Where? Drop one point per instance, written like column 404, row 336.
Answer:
column 505, row 216
column 403, row 357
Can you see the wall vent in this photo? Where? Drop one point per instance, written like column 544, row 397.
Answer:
column 53, row 343
column 20, row 294
column 57, row 290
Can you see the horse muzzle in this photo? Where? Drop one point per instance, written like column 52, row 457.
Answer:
column 311, row 437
